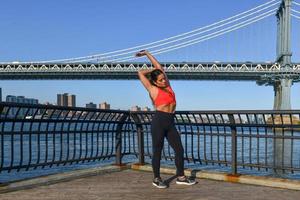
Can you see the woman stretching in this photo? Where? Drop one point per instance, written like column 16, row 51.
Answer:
column 162, row 124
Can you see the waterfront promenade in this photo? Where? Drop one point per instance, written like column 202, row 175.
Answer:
column 131, row 184
column 243, row 145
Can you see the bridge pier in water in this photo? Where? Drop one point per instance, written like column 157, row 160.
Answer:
column 282, row 94
column 282, row 89
column 282, row 101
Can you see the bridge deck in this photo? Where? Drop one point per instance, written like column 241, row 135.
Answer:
column 131, row 185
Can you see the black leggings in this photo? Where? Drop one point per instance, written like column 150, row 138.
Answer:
column 163, row 126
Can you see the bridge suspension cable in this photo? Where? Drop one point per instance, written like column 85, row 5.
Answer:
column 192, row 35
column 295, row 13
column 295, row 16
column 203, row 38
column 182, row 43
column 298, row 12
column 298, row 4
column 194, row 41
column 179, row 37
column 149, row 45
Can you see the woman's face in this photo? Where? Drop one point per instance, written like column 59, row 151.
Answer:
column 161, row 81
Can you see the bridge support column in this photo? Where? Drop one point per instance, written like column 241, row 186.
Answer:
column 282, row 151
column 282, row 146
column 282, row 94
column 282, row 88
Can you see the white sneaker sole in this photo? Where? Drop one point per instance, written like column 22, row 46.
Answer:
column 183, row 183
column 160, row 187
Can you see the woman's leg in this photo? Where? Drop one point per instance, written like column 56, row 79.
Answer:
column 174, row 140
column 157, row 145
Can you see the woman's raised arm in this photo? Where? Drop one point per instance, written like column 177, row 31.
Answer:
column 142, row 76
column 153, row 60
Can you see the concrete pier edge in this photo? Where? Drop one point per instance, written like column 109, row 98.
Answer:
column 212, row 175
column 221, row 176
column 60, row 177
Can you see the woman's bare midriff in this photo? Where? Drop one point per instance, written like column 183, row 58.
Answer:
column 169, row 108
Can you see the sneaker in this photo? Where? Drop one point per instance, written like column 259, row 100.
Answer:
column 157, row 182
column 185, row 181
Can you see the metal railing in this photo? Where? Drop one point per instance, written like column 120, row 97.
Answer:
column 268, row 140
column 33, row 136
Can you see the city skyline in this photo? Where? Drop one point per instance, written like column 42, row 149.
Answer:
column 95, row 30
column 21, row 99
column 67, row 99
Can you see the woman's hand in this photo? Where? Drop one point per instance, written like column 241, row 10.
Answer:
column 141, row 53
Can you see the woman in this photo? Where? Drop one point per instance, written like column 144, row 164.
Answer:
column 163, row 125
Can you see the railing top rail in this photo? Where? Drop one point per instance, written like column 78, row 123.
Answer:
column 227, row 112
column 41, row 106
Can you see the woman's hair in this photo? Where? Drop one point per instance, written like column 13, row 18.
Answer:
column 154, row 74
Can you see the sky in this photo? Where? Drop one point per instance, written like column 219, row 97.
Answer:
column 44, row 30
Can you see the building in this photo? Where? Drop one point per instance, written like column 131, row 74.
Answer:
column 72, row 100
column 11, row 98
column 22, row 100
column 104, row 105
column 146, row 109
column 49, row 112
column 47, row 103
column 60, row 100
column 135, row 108
column 91, row 105
column 67, row 100
column 91, row 114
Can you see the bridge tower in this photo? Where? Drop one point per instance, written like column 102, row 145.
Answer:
column 282, row 83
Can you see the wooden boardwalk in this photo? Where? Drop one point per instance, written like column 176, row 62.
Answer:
column 131, row 184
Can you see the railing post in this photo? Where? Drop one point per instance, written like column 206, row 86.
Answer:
column 118, row 146
column 233, row 145
column 1, row 108
column 140, row 135
column 1, row 140
column 141, row 144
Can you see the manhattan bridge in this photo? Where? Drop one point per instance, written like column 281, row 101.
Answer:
column 121, row 64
